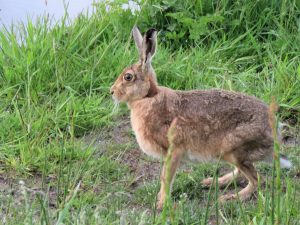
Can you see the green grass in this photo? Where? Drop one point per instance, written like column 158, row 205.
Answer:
column 54, row 90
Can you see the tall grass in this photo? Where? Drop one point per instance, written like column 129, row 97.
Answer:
column 54, row 88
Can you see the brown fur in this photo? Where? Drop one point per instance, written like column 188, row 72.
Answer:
column 207, row 124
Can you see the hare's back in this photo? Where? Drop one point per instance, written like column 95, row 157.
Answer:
column 224, row 112
column 225, row 106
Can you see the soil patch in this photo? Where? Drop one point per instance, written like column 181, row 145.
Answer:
column 12, row 192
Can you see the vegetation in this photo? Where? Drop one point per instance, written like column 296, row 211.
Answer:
column 58, row 127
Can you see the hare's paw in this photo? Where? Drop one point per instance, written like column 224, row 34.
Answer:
column 227, row 197
column 159, row 205
column 207, row 182
column 161, row 199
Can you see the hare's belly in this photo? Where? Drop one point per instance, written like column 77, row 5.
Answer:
column 197, row 157
column 148, row 146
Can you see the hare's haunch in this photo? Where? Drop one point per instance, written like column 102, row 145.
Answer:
column 207, row 124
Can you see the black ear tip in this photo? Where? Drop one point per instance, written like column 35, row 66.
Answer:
column 150, row 32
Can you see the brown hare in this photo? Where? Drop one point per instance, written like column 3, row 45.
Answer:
column 207, row 124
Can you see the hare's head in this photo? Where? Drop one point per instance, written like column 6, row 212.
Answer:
column 138, row 81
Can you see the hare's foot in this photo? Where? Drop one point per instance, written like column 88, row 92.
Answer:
column 250, row 173
column 243, row 195
column 227, row 197
column 207, row 181
column 222, row 181
column 160, row 200
column 159, row 205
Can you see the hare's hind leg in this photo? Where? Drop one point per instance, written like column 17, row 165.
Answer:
column 248, row 170
column 222, row 181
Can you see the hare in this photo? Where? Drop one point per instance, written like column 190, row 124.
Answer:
column 206, row 124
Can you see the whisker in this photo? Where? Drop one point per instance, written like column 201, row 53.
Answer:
column 116, row 106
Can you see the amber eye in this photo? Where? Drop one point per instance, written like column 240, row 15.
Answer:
column 128, row 77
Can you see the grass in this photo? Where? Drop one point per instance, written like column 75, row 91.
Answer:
column 54, row 92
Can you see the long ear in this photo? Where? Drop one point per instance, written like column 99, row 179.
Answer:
column 138, row 40
column 148, row 47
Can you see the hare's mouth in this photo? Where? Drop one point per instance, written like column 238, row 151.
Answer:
column 118, row 96
column 116, row 100
column 116, row 104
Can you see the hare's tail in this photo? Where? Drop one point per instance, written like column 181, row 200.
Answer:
column 284, row 162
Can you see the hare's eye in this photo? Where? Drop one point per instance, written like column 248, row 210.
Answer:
column 128, row 77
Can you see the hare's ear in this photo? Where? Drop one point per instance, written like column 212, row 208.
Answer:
column 148, row 47
column 138, row 39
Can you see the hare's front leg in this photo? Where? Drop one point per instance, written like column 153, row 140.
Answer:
column 176, row 156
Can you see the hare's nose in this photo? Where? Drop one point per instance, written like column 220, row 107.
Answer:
column 111, row 91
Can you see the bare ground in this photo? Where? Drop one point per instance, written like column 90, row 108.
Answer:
column 17, row 192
